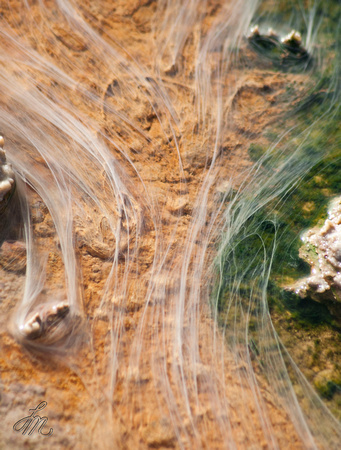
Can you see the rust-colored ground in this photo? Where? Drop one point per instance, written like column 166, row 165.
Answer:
column 80, row 409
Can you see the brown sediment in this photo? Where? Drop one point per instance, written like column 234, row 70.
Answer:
column 136, row 415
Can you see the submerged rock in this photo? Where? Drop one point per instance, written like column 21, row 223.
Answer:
column 293, row 39
column 322, row 251
column 285, row 51
column 6, row 174
column 266, row 41
column 45, row 320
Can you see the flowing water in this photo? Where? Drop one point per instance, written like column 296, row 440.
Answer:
column 167, row 156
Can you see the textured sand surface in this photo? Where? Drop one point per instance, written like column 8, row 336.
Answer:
column 80, row 408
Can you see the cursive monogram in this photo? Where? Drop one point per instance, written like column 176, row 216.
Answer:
column 24, row 424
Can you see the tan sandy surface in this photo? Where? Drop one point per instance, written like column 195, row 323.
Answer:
column 81, row 410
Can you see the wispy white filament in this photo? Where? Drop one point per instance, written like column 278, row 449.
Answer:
column 67, row 143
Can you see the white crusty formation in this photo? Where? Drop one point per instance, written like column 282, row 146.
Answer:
column 322, row 250
column 294, row 38
column 6, row 173
column 43, row 321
